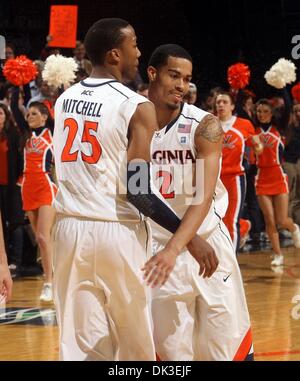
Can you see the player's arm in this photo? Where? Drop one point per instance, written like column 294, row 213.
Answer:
column 5, row 277
column 208, row 141
column 140, row 190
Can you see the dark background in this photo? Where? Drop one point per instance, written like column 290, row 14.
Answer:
column 220, row 33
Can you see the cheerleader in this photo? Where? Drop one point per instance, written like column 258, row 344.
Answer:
column 38, row 188
column 271, row 181
column 238, row 133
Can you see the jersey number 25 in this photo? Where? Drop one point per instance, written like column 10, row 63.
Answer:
column 96, row 149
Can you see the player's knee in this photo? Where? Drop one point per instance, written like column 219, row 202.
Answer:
column 95, row 347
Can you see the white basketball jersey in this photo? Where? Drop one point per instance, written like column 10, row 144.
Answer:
column 90, row 150
column 178, row 174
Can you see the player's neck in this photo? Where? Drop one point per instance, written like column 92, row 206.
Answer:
column 103, row 72
column 165, row 116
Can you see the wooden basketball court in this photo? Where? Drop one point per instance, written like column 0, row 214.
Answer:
column 28, row 329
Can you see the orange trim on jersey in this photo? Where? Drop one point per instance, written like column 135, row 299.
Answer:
column 244, row 348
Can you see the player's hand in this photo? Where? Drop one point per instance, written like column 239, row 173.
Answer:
column 5, row 282
column 159, row 267
column 204, row 255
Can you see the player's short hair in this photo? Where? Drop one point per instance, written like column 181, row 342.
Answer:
column 104, row 35
column 161, row 54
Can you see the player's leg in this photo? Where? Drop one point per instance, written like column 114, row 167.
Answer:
column 173, row 310
column 128, row 299
column 80, row 303
column 223, row 322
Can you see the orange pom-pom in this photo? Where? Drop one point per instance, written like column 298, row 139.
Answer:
column 296, row 92
column 238, row 76
column 19, row 70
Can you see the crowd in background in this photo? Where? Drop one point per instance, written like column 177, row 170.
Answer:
column 25, row 110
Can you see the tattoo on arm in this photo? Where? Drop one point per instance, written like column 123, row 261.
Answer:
column 210, row 129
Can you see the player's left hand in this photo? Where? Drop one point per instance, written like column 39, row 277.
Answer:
column 205, row 255
column 159, row 267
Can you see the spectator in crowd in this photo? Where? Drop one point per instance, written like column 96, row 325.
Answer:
column 10, row 51
column 80, row 57
column 5, row 277
column 191, row 96
column 244, row 108
column 245, row 104
column 209, row 104
column 292, row 163
column 36, row 83
column 81, row 74
column 10, row 195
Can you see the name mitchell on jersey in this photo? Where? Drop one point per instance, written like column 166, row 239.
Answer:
column 81, row 107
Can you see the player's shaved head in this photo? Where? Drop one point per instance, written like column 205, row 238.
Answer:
column 161, row 54
column 104, row 35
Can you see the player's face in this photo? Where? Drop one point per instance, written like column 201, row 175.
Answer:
column 173, row 81
column 2, row 118
column 129, row 54
column 35, row 118
column 264, row 113
column 224, row 107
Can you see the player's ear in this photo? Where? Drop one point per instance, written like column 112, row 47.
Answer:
column 151, row 73
column 113, row 56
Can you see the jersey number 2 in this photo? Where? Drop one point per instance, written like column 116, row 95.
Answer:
column 166, row 184
column 96, row 149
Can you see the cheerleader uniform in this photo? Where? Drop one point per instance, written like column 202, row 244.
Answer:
column 38, row 188
column 237, row 132
column 271, row 179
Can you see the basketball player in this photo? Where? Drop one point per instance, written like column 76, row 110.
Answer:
column 100, row 239
column 194, row 318
column 5, row 277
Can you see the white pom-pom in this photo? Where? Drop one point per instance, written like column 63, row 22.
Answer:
column 281, row 73
column 59, row 70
